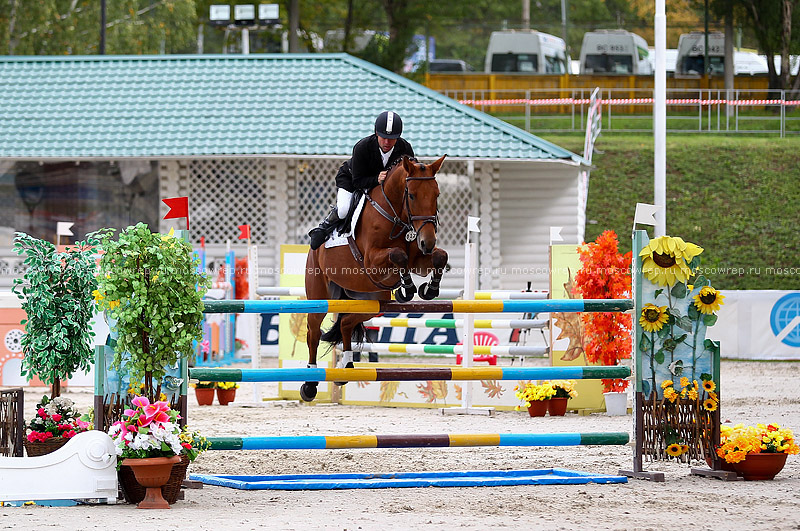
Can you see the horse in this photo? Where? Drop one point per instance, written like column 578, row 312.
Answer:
column 395, row 236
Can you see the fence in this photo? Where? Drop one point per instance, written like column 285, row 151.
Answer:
column 11, row 422
column 753, row 111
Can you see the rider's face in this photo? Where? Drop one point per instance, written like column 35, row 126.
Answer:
column 386, row 143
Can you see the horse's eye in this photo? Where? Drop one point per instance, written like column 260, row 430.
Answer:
column 411, row 196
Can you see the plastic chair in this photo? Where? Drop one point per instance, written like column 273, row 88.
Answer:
column 483, row 339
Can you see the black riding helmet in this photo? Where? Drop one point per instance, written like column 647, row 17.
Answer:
column 388, row 125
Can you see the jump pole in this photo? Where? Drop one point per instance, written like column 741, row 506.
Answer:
column 491, row 324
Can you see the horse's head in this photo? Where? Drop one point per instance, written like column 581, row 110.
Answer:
column 422, row 193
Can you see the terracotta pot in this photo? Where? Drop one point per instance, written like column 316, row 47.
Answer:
column 152, row 473
column 171, row 490
column 205, row 397
column 538, row 408
column 756, row 467
column 557, row 406
column 226, row 396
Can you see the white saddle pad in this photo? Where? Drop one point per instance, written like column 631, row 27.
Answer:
column 338, row 239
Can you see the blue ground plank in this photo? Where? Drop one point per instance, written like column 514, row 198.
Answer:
column 467, row 478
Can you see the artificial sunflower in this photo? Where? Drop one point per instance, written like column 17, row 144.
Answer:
column 708, row 300
column 709, row 404
column 709, row 385
column 666, row 260
column 674, row 449
column 653, row 317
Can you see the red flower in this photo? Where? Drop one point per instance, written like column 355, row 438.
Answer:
column 56, row 417
column 68, row 434
column 41, row 413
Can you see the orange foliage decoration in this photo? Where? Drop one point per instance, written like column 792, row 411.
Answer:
column 606, row 274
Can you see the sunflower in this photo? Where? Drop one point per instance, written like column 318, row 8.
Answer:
column 708, row 300
column 709, row 385
column 653, row 317
column 709, row 404
column 666, row 260
column 674, row 449
column 684, row 448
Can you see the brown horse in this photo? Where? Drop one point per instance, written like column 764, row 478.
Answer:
column 396, row 236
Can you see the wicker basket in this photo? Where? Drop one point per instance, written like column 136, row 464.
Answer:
column 134, row 493
column 37, row 448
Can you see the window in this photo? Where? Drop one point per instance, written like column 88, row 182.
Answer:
column 511, row 62
column 608, row 64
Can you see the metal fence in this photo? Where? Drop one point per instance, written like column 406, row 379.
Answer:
column 630, row 109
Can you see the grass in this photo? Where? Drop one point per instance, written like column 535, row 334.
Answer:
column 737, row 197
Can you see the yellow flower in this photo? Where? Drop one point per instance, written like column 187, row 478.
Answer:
column 710, row 405
column 674, row 449
column 666, row 260
column 709, row 385
column 684, row 448
column 693, row 393
column 97, row 295
column 708, row 300
column 670, row 394
column 684, row 381
column 666, row 383
column 653, row 317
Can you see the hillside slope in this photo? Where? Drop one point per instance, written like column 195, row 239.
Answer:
column 739, row 198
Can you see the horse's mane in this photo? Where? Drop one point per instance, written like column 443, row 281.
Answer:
column 397, row 163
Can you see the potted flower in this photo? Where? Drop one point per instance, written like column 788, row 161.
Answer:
column 147, row 439
column 536, row 397
column 606, row 274
column 226, row 392
column 55, row 423
column 204, row 392
column 564, row 390
column 757, row 452
column 152, row 288
column 56, row 293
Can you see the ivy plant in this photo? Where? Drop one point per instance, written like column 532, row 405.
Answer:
column 150, row 284
column 56, row 293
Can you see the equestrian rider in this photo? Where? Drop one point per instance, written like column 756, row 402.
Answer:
column 366, row 169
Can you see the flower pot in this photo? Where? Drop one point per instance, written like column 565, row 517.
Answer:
column 616, row 404
column 37, row 448
column 761, row 466
column 226, row 396
column 557, row 406
column 134, row 493
column 538, row 408
column 152, row 473
column 205, row 397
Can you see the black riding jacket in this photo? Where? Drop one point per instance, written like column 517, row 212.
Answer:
column 361, row 171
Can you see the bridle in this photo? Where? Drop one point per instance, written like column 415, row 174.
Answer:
column 399, row 225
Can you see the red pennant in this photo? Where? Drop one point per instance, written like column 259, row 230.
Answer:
column 244, row 232
column 203, row 242
column 178, row 208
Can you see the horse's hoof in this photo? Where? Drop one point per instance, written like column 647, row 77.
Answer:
column 348, row 366
column 428, row 293
column 403, row 294
column 308, row 391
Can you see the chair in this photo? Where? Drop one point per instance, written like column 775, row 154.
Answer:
column 482, row 339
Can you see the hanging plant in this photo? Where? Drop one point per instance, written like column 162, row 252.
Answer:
column 151, row 285
column 56, row 293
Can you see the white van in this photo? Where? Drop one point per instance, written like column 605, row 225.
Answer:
column 614, row 52
column 691, row 52
column 526, row 51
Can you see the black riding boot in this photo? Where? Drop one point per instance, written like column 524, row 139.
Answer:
column 319, row 234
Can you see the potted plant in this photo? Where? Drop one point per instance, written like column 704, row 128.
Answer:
column 147, row 440
column 226, row 392
column 606, row 274
column 56, row 293
column 55, row 423
column 757, row 452
column 564, row 390
column 151, row 286
column 535, row 397
column 204, row 392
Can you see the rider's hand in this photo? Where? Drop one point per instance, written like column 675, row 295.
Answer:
column 382, row 176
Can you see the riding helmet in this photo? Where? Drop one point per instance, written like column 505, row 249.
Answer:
column 388, row 125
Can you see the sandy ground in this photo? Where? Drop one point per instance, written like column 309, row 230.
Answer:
column 751, row 392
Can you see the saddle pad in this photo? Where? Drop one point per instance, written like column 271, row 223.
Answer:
column 338, row 239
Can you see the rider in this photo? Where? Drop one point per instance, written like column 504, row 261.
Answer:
column 372, row 157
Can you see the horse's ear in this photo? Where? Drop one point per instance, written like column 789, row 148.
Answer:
column 407, row 165
column 436, row 165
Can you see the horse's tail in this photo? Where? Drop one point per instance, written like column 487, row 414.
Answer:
column 334, row 334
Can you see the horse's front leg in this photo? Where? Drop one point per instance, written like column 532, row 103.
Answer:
column 396, row 258
column 438, row 260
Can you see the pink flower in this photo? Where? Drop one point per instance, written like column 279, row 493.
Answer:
column 56, row 417
column 41, row 413
column 140, row 401
column 156, row 412
column 82, row 425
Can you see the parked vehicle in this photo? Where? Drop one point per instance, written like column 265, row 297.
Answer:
column 614, row 52
column 691, row 53
column 449, row 65
column 526, row 51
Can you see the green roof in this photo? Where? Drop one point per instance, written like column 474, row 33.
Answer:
column 223, row 105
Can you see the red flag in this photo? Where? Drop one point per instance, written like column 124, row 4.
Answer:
column 178, row 208
column 244, row 232
column 203, row 242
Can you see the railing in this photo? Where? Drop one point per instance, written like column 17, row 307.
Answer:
column 630, row 110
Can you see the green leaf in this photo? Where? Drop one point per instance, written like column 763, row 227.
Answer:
column 710, row 320
column 693, row 312
column 679, row 290
column 658, row 292
column 685, row 323
column 700, row 282
column 659, row 357
column 645, row 343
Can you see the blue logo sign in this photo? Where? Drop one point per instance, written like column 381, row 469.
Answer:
column 785, row 319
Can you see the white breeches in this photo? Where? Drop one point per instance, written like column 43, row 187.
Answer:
column 343, row 198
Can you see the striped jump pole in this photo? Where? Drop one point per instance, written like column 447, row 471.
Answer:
column 458, row 306
column 495, row 350
column 444, row 294
column 497, row 324
column 399, row 374
column 331, row 442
